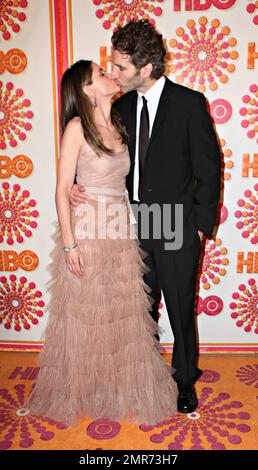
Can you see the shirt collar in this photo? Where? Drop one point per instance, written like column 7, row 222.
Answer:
column 153, row 94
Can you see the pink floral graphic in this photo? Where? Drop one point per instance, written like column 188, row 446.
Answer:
column 251, row 8
column 248, row 215
column 245, row 306
column 203, row 55
column 212, row 263
column 216, row 422
column 119, row 12
column 250, row 112
column 227, row 161
column 20, row 303
column 17, row 214
column 15, row 420
column 13, row 115
column 248, row 375
column 11, row 14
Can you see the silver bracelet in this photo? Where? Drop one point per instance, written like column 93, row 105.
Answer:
column 67, row 249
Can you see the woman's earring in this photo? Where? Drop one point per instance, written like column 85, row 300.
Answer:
column 94, row 102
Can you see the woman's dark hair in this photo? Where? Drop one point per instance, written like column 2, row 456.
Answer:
column 74, row 102
column 143, row 43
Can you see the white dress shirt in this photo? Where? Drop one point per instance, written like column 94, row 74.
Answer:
column 152, row 96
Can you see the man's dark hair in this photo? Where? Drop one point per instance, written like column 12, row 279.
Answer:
column 143, row 43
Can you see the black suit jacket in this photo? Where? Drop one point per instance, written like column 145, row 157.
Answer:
column 183, row 163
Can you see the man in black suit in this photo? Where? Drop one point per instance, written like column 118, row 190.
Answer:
column 175, row 159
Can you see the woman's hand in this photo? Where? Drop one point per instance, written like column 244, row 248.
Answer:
column 74, row 261
column 78, row 195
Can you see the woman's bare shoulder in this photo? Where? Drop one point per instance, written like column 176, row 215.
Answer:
column 75, row 119
column 74, row 127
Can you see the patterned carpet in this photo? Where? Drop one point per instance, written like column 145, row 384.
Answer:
column 227, row 416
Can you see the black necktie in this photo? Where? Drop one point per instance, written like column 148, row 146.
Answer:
column 143, row 141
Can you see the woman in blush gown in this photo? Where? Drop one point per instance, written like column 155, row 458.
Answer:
column 101, row 358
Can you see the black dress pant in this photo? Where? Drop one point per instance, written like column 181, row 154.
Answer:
column 175, row 273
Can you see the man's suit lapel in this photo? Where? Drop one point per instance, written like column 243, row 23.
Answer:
column 163, row 108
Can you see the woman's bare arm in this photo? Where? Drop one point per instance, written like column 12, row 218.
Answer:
column 70, row 147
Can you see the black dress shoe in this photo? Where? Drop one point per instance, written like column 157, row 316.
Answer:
column 187, row 400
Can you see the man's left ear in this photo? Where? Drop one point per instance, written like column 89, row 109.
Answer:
column 147, row 70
